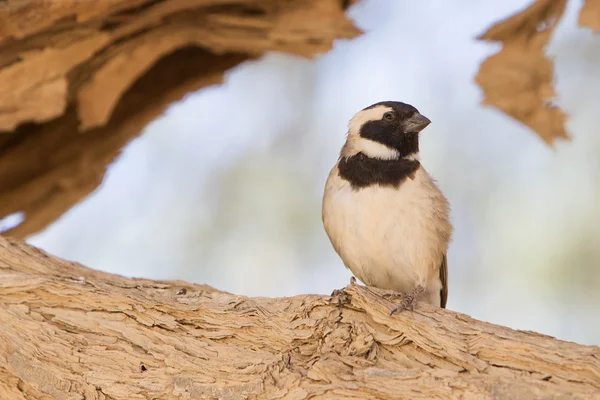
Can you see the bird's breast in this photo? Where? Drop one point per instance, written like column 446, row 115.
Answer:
column 391, row 238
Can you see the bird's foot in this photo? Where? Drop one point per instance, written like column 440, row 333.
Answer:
column 340, row 296
column 393, row 295
column 409, row 300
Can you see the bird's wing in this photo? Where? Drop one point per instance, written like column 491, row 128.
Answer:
column 444, row 279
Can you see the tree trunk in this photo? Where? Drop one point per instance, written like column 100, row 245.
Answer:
column 69, row 332
column 80, row 79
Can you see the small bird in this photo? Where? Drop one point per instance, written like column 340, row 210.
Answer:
column 383, row 213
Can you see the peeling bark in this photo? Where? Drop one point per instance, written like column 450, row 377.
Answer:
column 518, row 80
column 589, row 16
column 80, row 79
column 69, row 332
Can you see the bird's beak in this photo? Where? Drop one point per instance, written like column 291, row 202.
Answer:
column 416, row 123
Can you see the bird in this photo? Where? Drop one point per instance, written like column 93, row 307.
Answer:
column 383, row 212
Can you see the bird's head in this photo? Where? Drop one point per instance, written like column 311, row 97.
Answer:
column 386, row 130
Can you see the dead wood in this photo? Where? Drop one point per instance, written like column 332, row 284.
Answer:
column 69, row 332
column 80, row 79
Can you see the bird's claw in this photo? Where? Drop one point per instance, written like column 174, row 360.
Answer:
column 391, row 296
column 409, row 300
column 407, row 303
column 340, row 297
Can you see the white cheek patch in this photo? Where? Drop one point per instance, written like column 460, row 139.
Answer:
column 375, row 150
column 370, row 148
column 364, row 116
column 413, row 157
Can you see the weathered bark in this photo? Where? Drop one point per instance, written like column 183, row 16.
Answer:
column 519, row 78
column 69, row 332
column 80, row 79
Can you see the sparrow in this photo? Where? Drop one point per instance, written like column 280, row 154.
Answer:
column 383, row 213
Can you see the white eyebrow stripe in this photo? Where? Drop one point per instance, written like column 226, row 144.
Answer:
column 364, row 116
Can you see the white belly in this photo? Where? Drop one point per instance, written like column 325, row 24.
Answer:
column 389, row 238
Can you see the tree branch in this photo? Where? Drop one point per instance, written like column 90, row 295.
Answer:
column 80, row 79
column 69, row 332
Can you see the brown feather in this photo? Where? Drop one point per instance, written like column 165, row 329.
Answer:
column 444, row 279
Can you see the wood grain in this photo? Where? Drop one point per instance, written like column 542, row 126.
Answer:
column 69, row 332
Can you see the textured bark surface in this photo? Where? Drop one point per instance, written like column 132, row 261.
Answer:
column 69, row 332
column 80, row 79
column 519, row 78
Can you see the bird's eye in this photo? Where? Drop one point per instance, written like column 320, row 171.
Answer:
column 388, row 116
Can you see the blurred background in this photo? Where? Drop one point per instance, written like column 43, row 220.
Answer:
column 226, row 187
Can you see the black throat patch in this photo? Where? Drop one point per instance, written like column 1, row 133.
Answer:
column 362, row 171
